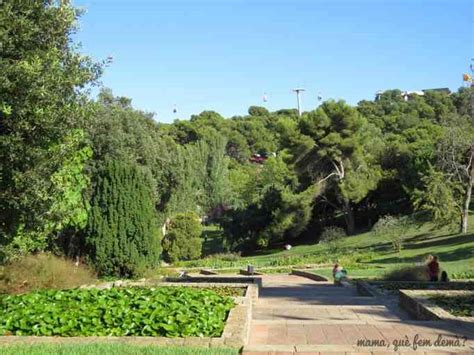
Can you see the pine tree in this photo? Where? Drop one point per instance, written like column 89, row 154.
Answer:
column 123, row 235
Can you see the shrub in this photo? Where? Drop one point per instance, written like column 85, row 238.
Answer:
column 41, row 271
column 393, row 228
column 332, row 234
column 183, row 241
column 408, row 273
column 225, row 256
column 123, row 233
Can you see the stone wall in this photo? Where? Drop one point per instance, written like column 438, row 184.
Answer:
column 419, row 305
column 308, row 275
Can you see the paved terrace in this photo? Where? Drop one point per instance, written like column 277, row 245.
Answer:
column 297, row 315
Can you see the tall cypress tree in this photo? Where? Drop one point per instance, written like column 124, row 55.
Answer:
column 123, row 235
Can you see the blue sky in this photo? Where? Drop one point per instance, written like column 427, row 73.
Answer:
column 223, row 55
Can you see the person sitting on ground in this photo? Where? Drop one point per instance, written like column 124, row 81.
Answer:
column 335, row 269
column 444, row 276
column 339, row 274
column 433, row 269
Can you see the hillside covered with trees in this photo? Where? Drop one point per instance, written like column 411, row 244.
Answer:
column 101, row 181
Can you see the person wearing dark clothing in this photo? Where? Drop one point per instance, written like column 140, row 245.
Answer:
column 433, row 269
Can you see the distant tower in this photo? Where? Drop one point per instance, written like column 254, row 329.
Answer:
column 298, row 90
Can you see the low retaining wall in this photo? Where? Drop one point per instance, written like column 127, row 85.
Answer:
column 235, row 335
column 245, row 272
column 365, row 289
column 375, row 288
column 427, row 285
column 409, row 301
column 207, row 272
column 419, row 305
column 217, row 279
column 308, row 275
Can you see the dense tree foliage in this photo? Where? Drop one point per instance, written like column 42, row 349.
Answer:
column 183, row 238
column 123, row 236
column 74, row 169
column 42, row 111
column 346, row 151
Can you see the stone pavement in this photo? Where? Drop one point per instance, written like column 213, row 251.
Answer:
column 297, row 315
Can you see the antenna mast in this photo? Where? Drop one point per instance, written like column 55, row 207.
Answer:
column 298, row 90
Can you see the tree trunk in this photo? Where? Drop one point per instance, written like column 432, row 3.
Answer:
column 349, row 217
column 467, row 202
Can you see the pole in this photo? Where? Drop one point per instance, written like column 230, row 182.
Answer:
column 298, row 90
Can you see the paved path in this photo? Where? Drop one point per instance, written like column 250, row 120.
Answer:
column 297, row 315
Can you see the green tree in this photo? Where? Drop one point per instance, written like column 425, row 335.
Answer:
column 183, row 239
column 439, row 196
column 123, row 235
column 42, row 103
column 345, row 156
column 120, row 132
column 455, row 155
column 258, row 111
column 455, row 176
column 279, row 215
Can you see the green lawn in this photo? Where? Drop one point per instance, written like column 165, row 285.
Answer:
column 212, row 240
column 370, row 255
column 105, row 349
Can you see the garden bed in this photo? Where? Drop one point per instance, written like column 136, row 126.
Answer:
column 451, row 305
column 226, row 279
column 209, row 315
column 135, row 311
column 392, row 287
column 458, row 305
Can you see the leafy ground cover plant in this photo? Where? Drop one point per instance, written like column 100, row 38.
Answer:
column 165, row 311
column 463, row 275
column 228, row 291
column 459, row 306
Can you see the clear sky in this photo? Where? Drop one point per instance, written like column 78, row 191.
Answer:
column 223, row 55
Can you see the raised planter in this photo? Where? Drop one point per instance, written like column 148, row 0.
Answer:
column 217, row 279
column 308, row 275
column 235, row 334
column 365, row 289
column 379, row 288
column 207, row 272
column 420, row 306
column 427, row 285
column 247, row 273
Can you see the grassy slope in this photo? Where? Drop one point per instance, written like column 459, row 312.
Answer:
column 212, row 240
column 368, row 254
column 455, row 251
